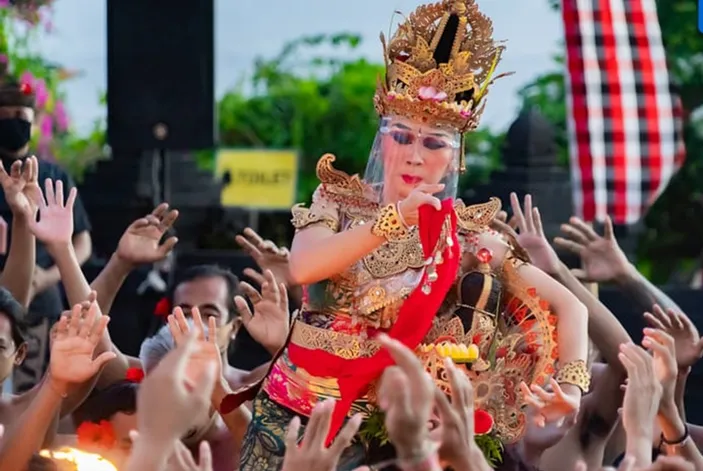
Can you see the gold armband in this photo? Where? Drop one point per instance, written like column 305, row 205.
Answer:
column 389, row 224
column 575, row 373
column 304, row 217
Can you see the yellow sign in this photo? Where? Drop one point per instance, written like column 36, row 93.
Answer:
column 258, row 179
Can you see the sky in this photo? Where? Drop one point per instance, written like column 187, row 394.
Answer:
column 244, row 31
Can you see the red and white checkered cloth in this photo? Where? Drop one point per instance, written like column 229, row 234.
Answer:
column 625, row 128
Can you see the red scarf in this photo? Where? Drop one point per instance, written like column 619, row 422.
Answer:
column 413, row 322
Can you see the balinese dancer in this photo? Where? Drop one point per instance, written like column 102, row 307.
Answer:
column 394, row 252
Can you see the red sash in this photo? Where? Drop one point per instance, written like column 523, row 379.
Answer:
column 413, row 322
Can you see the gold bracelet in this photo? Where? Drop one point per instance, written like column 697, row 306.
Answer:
column 389, row 225
column 575, row 373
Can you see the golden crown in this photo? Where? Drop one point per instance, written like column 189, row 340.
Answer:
column 439, row 65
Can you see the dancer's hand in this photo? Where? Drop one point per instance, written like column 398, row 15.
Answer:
column 409, row 208
column 312, row 454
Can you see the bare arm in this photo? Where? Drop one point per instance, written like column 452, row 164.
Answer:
column 642, row 291
column 26, row 434
column 573, row 318
column 603, row 327
column 318, row 253
column 19, row 267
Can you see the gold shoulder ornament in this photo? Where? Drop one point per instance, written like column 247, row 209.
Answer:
column 341, row 187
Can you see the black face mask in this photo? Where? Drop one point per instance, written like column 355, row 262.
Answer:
column 14, row 133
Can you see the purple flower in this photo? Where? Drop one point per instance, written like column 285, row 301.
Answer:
column 41, row 92
column 46, row 127
column 4, row 3
column 61, row 116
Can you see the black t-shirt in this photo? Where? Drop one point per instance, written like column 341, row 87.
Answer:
column 49, row 302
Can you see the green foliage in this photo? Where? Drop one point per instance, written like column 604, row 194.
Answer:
column 674, row 225
column 54, row 137
column 491, row 447
column 373, row 430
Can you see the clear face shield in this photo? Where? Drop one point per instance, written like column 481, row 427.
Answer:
column 407, row 154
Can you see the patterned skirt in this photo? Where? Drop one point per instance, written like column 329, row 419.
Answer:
column 264, row 444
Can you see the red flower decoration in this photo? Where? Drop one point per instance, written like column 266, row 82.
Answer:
column 483, row 422
column 26, row 88
column 163, row 308
column 134, row 375
column 91, row 435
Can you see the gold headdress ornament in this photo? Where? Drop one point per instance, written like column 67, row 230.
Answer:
column 439, row 65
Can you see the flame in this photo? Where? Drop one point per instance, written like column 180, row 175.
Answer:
column 83, row 461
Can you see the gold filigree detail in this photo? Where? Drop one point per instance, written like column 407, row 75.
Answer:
column 340, row 186
column 575, row 373
column 343, row 345
column 459, row 83
column 304, row 217
column 476, row 217
column 389, row 225
column 395, row 257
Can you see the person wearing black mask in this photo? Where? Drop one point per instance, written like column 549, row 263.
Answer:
column 17, row 103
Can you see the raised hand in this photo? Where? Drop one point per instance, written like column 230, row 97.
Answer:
column 643, row 392
column 270, row 321
column 530, row 234
column 266, row 255
column 20, row 186
column 688, row 342
column 55, row 225
column 406, row 396
column 76, row 336
column 312, row 454
column 409, row 208
column 169, row 402
column 140, row 243
column 554, row 406
column 207, row 351
column 662, row 463
column 457, row 445
column 182, row 459
column 603, row 259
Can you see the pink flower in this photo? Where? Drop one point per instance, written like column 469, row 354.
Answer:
column 41, row 92
column 3, row 57
column 4, row 3
column 431, row 94
column 27, row 78
column 46, row 127
column 61, row 116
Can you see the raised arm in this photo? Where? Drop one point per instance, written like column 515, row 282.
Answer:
column 21, row 193
column 321, row 248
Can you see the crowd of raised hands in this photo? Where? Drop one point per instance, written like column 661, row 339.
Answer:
column 634, row 408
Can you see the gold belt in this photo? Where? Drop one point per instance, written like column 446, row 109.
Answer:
column 346, row 346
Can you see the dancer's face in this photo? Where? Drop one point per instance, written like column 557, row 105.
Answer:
column 414, row 154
